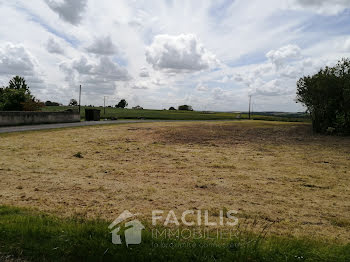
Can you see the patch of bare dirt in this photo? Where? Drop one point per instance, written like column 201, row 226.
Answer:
column 232, row 134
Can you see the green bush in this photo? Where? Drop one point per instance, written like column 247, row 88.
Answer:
column 186, row 108
column 17, row 97
column 326, row 96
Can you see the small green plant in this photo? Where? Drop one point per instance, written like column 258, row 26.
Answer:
column 78, row 155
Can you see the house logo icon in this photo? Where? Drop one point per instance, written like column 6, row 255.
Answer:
column 132, row 232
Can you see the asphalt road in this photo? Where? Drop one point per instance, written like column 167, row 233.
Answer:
column 11, row 129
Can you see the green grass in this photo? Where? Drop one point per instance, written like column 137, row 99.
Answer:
column 174, row 115
column 35, row 236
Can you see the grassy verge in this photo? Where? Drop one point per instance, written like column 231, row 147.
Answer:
column 35, row 236
column 176, row 115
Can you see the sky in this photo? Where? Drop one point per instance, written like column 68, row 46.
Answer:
column 211, row 54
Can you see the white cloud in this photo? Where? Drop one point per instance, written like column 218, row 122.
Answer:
column 284, row 54
column 323, row 6
column 201, row 88
column 238, row 78
column 144, row 72
column 292, row 72
column 16, row 60
column 103, row 46
column 225, row 79
column 110, row 70
column 68, row 10
column 139, row 87
column 272, row 88
column 307, row 62
column 99, row 77
column 218, row 93
column 347, row 45
column 54, row 47
column 104, row 68
column 181, row 53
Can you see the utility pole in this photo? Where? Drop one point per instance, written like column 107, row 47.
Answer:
column 79, row 97
column 250, row 100
column 104, row 105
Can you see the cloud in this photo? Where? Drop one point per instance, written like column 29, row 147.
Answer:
column 140, row 87
column 347, row 45
column 284, row 54
column 308, row 62
column 68, row 10
column 54, row 47
column 104, row 69
column 103, row 46
column 292, row 72
column 218, row 93
column 99, row 77
column 111, row 70
column 144, row 73
column 325, row 7
column 225, row 79
column 83, row 66
column 201, row 88
column 157, row 82
column 181, row 53
column 272, row 88
column 180, row 61
column 238, row 78
column 15, row 59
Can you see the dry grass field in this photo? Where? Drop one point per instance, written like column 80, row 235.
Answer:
column 268, row 171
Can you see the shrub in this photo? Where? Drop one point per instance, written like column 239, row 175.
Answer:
column 49, row 103
column 326, row 96
column 186, row 108
column 78, row 155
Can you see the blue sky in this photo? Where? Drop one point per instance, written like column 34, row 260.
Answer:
column 162, row 53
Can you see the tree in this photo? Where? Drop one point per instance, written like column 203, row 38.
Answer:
column 172, row 108
column 122, row 104
column 186, row 108
column 18, row 83
column 49, row 103
column 13, row 99
column 326, row 95
column 73, row 102
column 17, row 97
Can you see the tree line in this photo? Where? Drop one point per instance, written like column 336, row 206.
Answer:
column 17, row 97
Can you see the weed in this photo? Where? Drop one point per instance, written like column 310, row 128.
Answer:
column 78, row 155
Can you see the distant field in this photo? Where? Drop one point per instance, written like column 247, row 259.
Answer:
column 178, row 115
